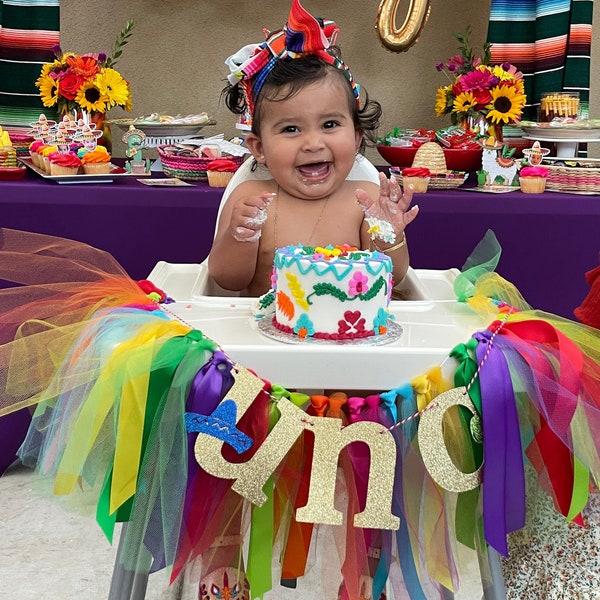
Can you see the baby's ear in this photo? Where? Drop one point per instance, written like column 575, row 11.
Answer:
column 254, row 144
column 359, row 134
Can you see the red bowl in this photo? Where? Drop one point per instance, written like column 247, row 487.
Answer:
column 7, row 173
column 456, row 159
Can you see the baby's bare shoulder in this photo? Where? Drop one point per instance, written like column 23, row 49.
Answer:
column 252, row 187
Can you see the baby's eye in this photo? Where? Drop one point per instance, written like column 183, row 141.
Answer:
column 290, row 129
column 330, row 124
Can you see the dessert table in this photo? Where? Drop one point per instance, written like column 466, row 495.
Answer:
column 549, row 241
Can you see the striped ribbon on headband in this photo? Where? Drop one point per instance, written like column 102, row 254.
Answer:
column 302, row 35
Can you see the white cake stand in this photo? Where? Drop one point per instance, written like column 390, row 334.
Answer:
column 567, row 139
column 161, row 134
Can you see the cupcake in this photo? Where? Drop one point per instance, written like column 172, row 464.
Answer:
column 533, row 179
column 96, row 162
column 33, row 147
column 64, row 164
column 418, row 177
column 81, row 150
column 220, row 172
column 43, row 155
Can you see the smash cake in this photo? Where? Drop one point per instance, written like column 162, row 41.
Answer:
column 332, row 293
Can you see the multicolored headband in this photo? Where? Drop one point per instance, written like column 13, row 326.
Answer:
column 302, row 35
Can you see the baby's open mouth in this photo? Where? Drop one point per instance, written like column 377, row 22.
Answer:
column 314, row 170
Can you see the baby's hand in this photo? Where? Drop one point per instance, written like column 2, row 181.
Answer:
column 390, row 210
column 248, row 217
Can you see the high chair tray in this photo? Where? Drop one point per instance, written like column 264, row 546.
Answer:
column 431, row 326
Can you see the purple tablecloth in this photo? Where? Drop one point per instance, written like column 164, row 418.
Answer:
column 549, row 241
column 138, row 224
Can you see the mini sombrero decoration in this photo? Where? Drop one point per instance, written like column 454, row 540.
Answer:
column 60, row 139
column 535, row 154
column 490, row 143
column 87, row 133
column 41, row 122
column 133, row 131
column 43, row 133
column 67, row 124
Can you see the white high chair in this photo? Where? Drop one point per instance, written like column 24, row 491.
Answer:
column 363, row 170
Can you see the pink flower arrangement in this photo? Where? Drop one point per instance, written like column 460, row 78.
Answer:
column 477, row 89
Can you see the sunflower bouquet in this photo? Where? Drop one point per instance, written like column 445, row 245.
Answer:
column 85, row 82
column 479, row 90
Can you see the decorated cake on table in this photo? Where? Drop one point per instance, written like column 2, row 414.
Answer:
column 333, row 293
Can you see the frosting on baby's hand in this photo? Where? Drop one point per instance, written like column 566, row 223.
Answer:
column 379, row 228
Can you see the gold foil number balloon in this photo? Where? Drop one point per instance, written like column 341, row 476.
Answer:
column 400, row 40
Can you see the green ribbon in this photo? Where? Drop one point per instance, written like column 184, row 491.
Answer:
column 467, row 502
column 260, row 551
column 163, row 368
column 581, row 488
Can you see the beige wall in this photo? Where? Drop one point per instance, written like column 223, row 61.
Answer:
column 174, row 60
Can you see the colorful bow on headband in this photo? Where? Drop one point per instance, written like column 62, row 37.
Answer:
column 302, row 35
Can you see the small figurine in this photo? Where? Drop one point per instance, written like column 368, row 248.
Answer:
column 497, row 165
column 134, row 138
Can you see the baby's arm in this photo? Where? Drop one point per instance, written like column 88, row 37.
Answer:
column 386, row 217
column 234, row 253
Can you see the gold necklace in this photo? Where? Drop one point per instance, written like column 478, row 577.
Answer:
column 276, row 218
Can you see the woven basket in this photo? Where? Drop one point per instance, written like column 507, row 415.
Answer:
column 582, row 179
column 191, row 168
column 441, row 182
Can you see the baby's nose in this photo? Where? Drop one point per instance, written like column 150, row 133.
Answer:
column 313, row 140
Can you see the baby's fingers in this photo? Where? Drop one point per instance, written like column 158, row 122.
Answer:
column 410, row 215
column 365, row 201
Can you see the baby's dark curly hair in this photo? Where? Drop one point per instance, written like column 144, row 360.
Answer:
column 293, row 75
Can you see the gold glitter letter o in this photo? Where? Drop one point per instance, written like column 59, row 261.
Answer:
column 433, row 449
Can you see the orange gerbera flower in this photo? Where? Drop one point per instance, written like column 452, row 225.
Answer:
column 86, row 66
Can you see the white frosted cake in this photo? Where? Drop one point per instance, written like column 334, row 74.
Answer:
column 336, row 292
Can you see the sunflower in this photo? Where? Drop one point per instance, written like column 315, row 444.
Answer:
column 113, row 87
column 506, row 105
column 48, row 90
column 464, row 101
column 441, row 101
column 91, row 98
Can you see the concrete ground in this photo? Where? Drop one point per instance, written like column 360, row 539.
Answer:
column 48, row 552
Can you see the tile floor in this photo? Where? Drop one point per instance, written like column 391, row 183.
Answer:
column 49, row 552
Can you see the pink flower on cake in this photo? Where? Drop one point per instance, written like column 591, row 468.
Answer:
column 359, row 284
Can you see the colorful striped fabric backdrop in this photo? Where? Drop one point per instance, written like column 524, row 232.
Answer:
column 549, row 41
column 28, row 31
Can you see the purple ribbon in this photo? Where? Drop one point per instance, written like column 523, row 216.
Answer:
column 503, row 474
column 208, row 388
